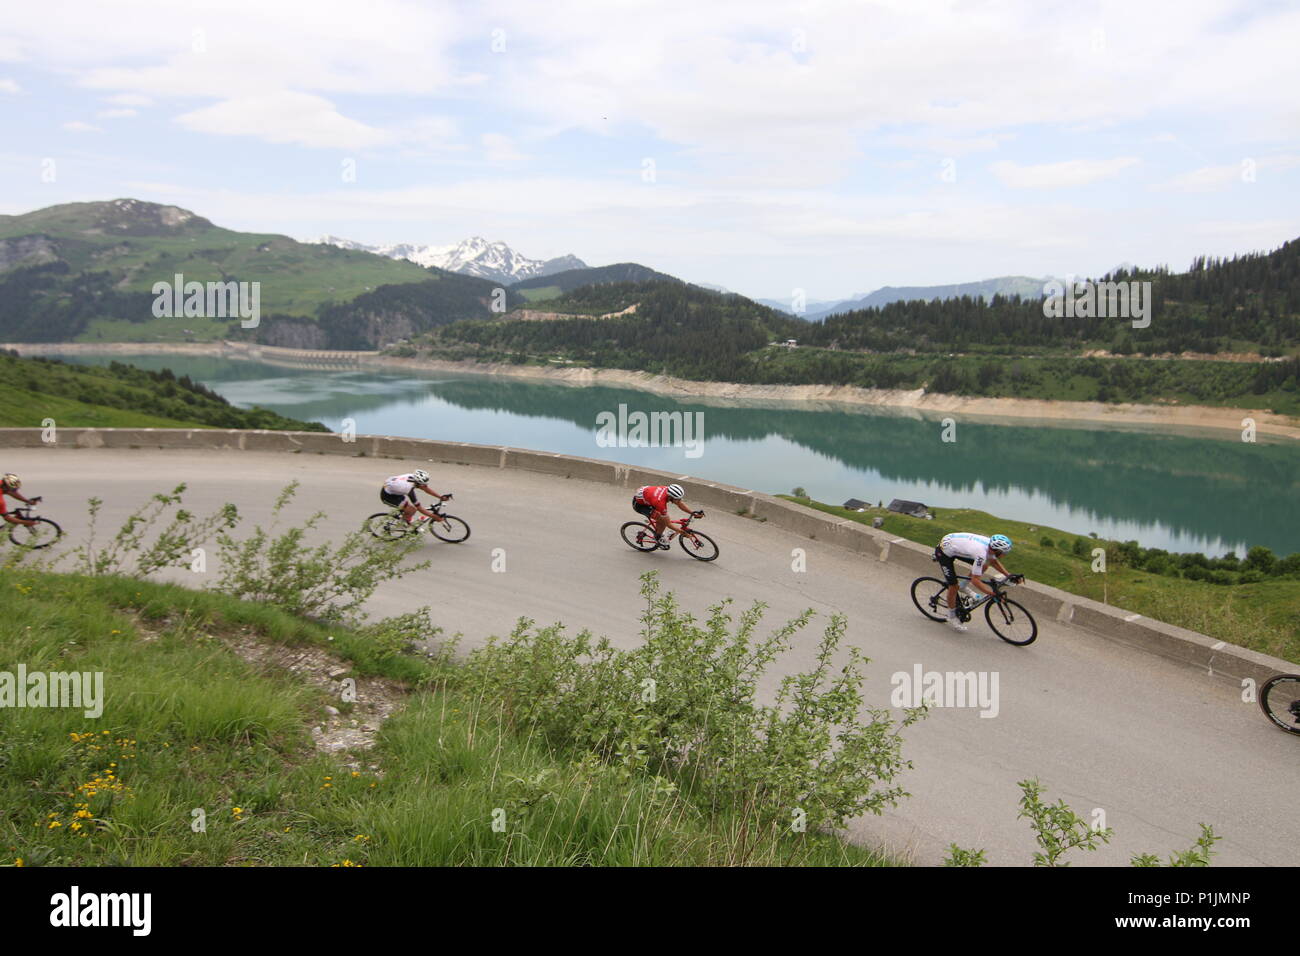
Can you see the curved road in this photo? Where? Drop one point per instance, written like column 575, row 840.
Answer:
column 1157, row 746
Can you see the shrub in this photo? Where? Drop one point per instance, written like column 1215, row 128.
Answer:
column 684, row 705
column 327, row 581
column 1260, row 559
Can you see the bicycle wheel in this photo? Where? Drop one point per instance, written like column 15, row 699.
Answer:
column 1011, row 622
column 388, row 526
column 450, row 529
column 638, row 536
column 698, row 545
column 930, row 595
column 1280, row 699
column 40, row 535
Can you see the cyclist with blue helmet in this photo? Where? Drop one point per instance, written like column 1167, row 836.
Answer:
column 978, row 551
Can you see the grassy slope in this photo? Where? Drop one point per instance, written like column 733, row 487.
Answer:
column 188, row 724
column 83, row 396
column 21, row 408
column 1259, row 616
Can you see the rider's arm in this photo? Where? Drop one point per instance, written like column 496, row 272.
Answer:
column 999, row 566
column 682, row 504
column 428, row 490
column 421, row 508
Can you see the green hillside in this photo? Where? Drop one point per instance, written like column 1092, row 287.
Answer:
column 1000, row 348
column 85, row 272
column 556, row 284
column 82, row 396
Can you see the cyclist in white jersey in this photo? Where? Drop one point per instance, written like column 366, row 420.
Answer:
column 399, row 492
column 979, row 551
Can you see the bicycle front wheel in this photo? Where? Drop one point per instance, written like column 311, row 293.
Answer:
column 1011, row 622
column 42, row 534
column 450, row 529
column 930, row 595
column 388, row 526
column 699, row 546
column 638, row 536
column 1279, row 698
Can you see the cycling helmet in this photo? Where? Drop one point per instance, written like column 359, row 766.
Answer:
column 421, row 476
column 11, row 482
column 676, row 492
column 1000, row 543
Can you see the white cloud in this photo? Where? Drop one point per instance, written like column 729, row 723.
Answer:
column 304, row 120
column 1072, row 172
column 116, row 114
column 77, row 126
column 500, row 149
column 129, row 99
column 1214, row 178
column 8, row 86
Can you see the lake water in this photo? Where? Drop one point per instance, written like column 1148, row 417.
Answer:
column 1191, row 491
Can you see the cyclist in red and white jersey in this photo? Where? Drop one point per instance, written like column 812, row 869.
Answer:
column 399, row 492
column 652, row 502
column 9, row 485
column 978, row 551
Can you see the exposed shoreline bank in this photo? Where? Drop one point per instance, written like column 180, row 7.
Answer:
column 915, row 401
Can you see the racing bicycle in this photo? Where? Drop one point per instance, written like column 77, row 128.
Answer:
column 1008, row 619
column 393, row 526
column 42, row 534
column 1279, row 698
column 640, row 535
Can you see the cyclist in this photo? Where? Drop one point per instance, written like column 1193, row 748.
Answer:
column 399, row 492
column 9, row 485
column 978, row 551
column 652, row 502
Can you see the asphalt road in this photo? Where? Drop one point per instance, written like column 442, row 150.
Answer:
column 1157, row 746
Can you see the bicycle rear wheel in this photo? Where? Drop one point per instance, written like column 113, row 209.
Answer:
column 1279, row 698
column 42, row 534
column 388, row 526
column 698, row 545
column 1011, row 622
column 450, row 529
column 930, row 595
column 638, row 536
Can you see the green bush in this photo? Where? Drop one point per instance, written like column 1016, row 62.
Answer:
column 330, row 582
column 683, row 706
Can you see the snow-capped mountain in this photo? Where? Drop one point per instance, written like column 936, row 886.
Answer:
column 495, row 261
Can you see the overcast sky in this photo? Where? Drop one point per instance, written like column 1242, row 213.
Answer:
column 832, row 147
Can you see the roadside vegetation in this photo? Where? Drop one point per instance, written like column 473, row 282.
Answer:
column 1249, row 601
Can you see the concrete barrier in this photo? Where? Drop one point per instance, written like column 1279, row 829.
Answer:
column 564, row 466
column 1156, row 637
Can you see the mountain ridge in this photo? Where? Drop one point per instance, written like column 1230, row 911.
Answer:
column 475, row 256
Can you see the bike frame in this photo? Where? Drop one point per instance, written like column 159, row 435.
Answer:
column 680, row 525
column 999, row 592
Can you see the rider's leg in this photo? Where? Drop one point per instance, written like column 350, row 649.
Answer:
column 408, row 511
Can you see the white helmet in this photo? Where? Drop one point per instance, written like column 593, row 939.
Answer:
column 420, row 476
column 676, row 492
